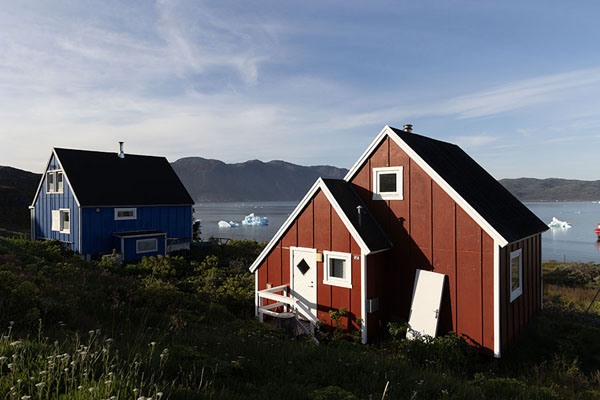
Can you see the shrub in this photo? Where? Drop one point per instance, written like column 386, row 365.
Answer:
column 332, row 393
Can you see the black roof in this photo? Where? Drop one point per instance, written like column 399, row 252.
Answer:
column 150, row 232
column 103, row 179
column 348, row 200
column 503, row 211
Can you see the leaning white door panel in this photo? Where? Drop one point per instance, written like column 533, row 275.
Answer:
column 425, row 308
column 304, row 281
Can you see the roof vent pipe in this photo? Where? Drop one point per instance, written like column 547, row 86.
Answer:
column 408, row 128
column 359, row 210
column 121, row 153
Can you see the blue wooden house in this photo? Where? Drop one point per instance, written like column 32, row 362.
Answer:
column 97, row 202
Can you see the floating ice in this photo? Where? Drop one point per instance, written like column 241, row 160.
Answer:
column 255, row 220
column 556, row 223
column 224, row 224
column 234, row 224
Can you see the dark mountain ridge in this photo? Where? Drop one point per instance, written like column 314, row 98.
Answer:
column 17, row 188
column 254, row 180
column 553, row 189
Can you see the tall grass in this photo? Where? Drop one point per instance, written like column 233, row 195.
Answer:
column 80, row 368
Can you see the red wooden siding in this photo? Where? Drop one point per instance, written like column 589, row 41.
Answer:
column 430, row 231
column 515, row 315
column 317, row 226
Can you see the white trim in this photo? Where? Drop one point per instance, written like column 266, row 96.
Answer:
column 80, row 246
column 256, row 293
column 518, row 291
column 32, row 221
column 399, row 193
column 344, row 218
column 387, row 131
column 363, row 296
column 66, row 177
column 334, row 281
column 118, row 210
column 64, row 211
column 497, row 350
column 319, row 184
column 137, row 246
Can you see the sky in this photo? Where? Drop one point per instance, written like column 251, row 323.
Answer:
column 515, row 83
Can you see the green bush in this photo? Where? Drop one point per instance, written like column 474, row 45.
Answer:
column 332, row 393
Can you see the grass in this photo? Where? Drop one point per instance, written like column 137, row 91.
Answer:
column 184, row 329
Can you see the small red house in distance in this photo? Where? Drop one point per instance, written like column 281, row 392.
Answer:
column 410, row 202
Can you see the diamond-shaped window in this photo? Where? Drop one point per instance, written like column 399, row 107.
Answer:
column 302, row 266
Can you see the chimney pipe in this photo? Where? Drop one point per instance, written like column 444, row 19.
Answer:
column 359, row 210
column 408, row 128
column 121, row 153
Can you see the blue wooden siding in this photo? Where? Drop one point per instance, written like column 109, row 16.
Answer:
column 46, row 202
column 129, row 252
column 98, row 225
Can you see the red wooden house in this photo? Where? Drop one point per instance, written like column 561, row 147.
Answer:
column 409, row 202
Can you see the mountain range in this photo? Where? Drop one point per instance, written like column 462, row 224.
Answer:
column 213, row 180
column 254, row 180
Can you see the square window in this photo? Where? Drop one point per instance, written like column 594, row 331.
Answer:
column 387, row 183
column 61, row 220
column 516, row 274
column 146, row 245
column 337, row 269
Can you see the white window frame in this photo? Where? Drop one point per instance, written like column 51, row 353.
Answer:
column 398, row 194
column 64, row 211
column 332, row 280
column 54, row 174
column 117, row 210
column 137, row 246
column 518, row 291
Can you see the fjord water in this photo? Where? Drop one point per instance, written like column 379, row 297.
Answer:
column 578, row 243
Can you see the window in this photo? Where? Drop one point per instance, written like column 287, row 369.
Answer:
column 146, row 245
column 387, row 183
column 61, row 220
column 50, row 182
column 516, row 274
column 337, row 269
column 54, row 182
column 59, row 182
column 125, row 213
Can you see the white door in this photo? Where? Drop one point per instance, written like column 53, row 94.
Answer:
column 304, row 281
column 425, row 309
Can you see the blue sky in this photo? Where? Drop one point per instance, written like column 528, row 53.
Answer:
column 516, row 84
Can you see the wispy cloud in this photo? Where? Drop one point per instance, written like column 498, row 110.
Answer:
column 521, row 94
column 475, row 140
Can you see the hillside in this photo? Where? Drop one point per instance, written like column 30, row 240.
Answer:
column 553, row 189
column 175, row 328
column 214, row 180
column 17, row 188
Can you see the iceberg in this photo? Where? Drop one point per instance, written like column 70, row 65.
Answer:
column 234, row 224
column 224, row 224
column 255, row 220
column 557, row 223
